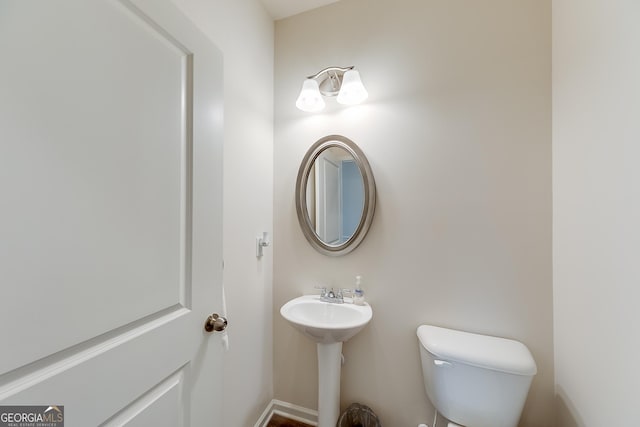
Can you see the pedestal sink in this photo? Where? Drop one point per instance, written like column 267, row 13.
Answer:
column 329, row 325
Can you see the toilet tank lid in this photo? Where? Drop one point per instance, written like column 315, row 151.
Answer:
column 498, row 354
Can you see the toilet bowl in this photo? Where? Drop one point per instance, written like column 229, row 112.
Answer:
column 475, row 380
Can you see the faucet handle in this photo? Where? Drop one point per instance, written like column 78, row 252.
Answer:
column 322, row 289
column 346, row 292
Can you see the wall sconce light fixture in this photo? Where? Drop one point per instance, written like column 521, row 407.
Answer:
column 343, row 82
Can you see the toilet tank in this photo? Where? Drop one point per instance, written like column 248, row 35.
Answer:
column 475, row 380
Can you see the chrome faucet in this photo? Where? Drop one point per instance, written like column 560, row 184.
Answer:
column 330, row 295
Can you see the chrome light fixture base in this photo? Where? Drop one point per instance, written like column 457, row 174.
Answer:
column 330, row 80
column 343, row 82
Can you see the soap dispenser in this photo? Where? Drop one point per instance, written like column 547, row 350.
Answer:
column 358, row 293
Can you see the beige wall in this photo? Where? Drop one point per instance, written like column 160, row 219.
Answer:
column 596, row 148
column 244, row 33
column 458, row 133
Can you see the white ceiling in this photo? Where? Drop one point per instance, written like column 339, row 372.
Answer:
column 279, row 9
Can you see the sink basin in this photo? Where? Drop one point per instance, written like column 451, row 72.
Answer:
column 326, row 322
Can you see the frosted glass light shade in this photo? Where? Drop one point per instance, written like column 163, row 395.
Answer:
column 352, row 90
column 310, row 99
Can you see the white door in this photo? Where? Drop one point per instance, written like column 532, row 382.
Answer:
column 328, row 203
column 110, row 212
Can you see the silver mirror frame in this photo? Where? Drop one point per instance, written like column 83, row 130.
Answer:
column 369, row 195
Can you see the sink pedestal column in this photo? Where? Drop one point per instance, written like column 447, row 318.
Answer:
column 329, row 366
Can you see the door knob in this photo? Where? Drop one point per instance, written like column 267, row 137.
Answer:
column 215, row 323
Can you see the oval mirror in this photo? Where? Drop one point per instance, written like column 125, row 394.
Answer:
column 335, row 195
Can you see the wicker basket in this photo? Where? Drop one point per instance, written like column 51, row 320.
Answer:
column 358, row 415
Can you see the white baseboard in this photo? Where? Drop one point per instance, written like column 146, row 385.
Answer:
column 289, row 410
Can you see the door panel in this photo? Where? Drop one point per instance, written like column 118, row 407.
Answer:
column 328, row 206
column 100, row 165
column 110, row 173
column 159, row 407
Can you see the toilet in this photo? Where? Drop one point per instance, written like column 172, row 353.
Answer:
column 475, row 380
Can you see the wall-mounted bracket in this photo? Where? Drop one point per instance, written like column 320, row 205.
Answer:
column 261, row 243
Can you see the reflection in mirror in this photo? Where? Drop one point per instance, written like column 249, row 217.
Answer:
column 335, row 195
